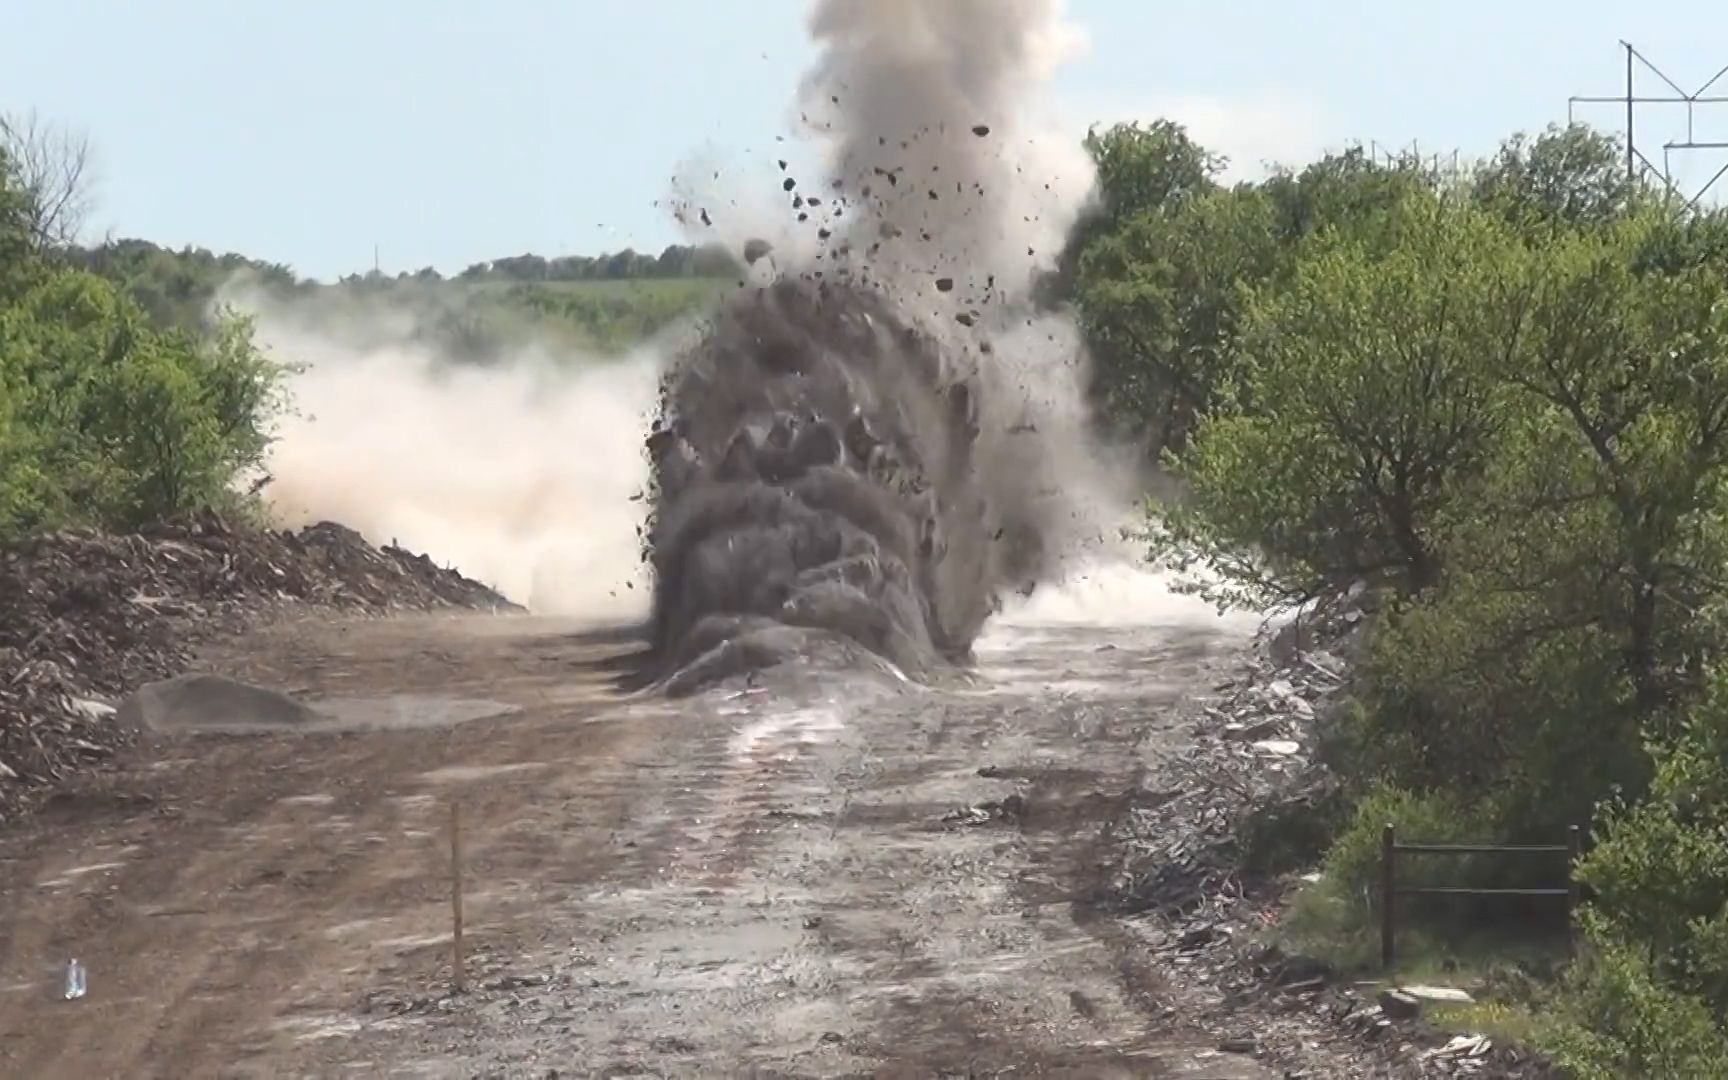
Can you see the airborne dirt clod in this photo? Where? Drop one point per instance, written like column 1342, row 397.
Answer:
column 865, row 452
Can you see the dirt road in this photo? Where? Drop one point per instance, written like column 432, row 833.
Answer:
column 849, row 880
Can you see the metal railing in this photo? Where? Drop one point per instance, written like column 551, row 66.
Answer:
column 1390, row 890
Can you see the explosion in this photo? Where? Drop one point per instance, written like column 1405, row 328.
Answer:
column 875, row 440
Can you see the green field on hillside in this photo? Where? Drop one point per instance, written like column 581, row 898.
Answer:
column 485, row 314
column 486, row 322
column 656, row 290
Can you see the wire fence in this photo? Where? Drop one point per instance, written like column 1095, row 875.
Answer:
column 1391, row 849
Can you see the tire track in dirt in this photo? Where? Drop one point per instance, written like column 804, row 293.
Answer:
column 266, row 883
column 792, row 901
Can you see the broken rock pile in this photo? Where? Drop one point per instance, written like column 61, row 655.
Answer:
column 1253, row 746
column 84, row 617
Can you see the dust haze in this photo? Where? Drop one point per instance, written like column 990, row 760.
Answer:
column 526, row 474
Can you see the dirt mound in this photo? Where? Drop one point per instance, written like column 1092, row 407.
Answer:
column 85, row 617
column 200, row 703
column 211, row 703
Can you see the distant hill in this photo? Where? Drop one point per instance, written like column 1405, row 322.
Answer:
column 604, row 303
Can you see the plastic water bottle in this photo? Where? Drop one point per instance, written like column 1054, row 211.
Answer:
column 76, row 980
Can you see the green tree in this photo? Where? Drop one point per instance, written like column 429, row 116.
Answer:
column 1649, row 995
column 105, row 420
column 1160, row 299
column 1343, row 190
column 114, row 423
column 1148, row 167
column 1565, row 177
column 16, row 246
column 1159, row 275
column 1582, row 564
column 1141, row 169
column 1367, row 400
column 1503, row 401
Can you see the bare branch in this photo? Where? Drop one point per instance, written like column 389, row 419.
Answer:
column 54, row 167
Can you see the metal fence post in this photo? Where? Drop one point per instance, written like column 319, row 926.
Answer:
column 1574, row 848
column 1388, row 886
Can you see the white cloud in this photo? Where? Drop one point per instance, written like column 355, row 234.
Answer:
column 1270, row 127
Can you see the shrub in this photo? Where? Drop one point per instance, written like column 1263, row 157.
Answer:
column 107, row 422
column 1619, row 1018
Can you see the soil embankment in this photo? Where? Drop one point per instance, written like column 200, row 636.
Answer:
column 86, row 618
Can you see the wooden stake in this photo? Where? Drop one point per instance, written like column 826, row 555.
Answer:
column 458, row 975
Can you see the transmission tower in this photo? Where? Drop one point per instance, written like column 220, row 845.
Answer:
column 1631, row 99
column 1440, row 164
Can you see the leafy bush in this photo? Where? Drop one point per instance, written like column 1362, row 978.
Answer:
column 1338, row 916
column 1618, row 1017
column 1352, row 864
column 114, row 424
column 1650, row 995
column 106, row 421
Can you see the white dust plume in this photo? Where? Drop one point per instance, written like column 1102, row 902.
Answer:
column 525, row 474
column 962, row 190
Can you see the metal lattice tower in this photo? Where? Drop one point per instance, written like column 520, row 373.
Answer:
column 1631, row 99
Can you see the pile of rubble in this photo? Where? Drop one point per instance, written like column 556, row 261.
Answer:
column 84, row 617
column 1303, row 1001
column 1253, row 747
column 1181, row 864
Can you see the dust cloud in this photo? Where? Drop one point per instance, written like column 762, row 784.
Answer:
column 885, row 437
column 1112, row 585
column 876, row 445
column 526, row 474
column 963, row 195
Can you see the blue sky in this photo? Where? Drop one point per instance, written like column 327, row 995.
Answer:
column 448, row 132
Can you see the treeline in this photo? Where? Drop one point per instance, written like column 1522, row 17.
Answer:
column 497, row 324
column 179, row 287
column 676, row 261
column 1498, row 399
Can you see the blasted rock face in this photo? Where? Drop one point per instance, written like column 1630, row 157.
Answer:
column 816, row 491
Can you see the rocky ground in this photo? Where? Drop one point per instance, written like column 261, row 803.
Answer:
column 1036, row 875
column 85, row 617
column 1179, row 876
